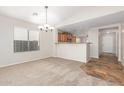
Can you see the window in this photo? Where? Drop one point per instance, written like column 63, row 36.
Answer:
column 25, row 40
column 33, row 40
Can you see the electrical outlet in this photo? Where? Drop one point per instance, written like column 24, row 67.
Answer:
column 123, row 58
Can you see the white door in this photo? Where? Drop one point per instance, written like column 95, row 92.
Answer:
column 109, row 43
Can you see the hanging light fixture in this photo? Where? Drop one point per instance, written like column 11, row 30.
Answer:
column 46, row 27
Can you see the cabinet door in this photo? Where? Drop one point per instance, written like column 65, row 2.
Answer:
column 59, row 37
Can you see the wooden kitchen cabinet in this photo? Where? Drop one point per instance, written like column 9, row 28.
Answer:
column 66, row 37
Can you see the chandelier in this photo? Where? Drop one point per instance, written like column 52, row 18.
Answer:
column 46, row 27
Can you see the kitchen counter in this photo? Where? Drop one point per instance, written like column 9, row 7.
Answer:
column 73, row 51
column 73, row 43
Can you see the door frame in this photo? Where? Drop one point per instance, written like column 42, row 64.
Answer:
column 118, row 38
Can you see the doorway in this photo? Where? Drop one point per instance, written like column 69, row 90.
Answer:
column 108, row 41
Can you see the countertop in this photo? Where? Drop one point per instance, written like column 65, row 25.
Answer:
column 72, row 43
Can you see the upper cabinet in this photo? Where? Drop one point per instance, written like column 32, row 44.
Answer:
column 66, row 37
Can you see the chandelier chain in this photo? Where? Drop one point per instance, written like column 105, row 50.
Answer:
column 46, row 13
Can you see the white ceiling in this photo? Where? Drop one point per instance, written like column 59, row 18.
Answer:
column 81, row 17
column 56, row 14
column 82, row 27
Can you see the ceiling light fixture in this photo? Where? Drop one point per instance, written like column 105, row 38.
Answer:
column 35, row 14
column 107, row 32
column 46, row 27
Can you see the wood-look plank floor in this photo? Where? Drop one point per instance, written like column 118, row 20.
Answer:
column 106, row 67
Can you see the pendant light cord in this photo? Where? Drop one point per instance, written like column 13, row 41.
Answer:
column 46, row 13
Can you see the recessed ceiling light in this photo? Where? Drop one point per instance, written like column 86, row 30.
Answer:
column 35, row 14
column 107, row 32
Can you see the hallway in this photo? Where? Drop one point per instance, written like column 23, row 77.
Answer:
column 106, row 67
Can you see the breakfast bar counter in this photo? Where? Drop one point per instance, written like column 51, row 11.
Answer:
column 73, row 51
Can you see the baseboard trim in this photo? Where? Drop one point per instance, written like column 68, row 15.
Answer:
column 70, row 59
column 23, row 62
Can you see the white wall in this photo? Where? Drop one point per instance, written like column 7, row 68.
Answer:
column 55, row 40
column 122, row 47
column 100, row 44
column 8, row 57
column 122, row 43
column 94, row 39
column 119, row 44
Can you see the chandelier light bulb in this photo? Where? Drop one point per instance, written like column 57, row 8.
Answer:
column 52, row 28
column 41, row 27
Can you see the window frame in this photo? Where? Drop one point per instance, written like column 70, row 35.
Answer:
column 27, row 41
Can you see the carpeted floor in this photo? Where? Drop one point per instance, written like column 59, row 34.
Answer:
column 48, row 72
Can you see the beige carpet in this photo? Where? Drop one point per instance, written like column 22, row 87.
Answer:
column 50, row 72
